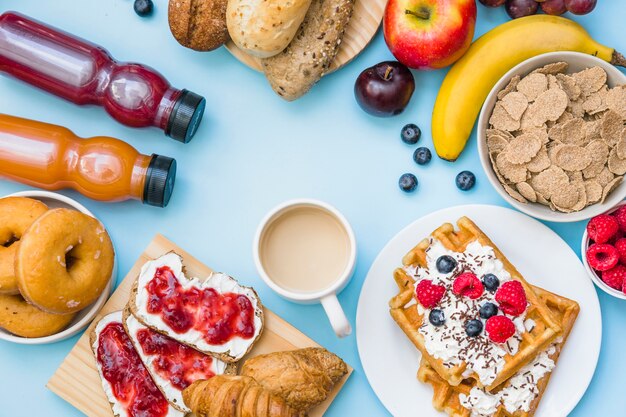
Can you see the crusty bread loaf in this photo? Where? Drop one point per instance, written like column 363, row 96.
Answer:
column 264, row 28
column 294, row 71
column 198, row 24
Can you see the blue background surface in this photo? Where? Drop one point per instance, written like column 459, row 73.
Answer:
column 252, row 152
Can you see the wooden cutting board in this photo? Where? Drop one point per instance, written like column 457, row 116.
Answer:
column 77, row 380
column 364, row 23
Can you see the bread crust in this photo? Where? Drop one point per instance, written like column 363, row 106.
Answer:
column 308, row 57
column 198, row 24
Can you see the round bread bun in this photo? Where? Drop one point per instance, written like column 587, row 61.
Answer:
column 198, row 24
column 16, row 215
column 25, row 320
column 64, row 261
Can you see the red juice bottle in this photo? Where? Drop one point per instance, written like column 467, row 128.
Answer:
column 83, row 73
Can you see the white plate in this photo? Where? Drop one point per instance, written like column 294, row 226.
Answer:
column 390, row 360
column 84, row 316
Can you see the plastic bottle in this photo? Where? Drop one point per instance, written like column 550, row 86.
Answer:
column 84, row 73
column 102, row 168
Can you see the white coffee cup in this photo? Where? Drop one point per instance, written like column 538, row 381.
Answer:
column 305, row 251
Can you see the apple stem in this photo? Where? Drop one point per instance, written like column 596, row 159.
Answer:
column 422, row 13
column 388, row 72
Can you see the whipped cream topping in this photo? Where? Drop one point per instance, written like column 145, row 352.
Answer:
column 450, row 342
column 519, row 392
column 222, row 283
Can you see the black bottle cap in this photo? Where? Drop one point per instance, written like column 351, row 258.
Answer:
column 186, row 116
column 159, row 181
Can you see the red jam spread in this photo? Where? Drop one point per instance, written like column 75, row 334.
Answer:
column 175, row 362
column 219, row 317
column 130, row 382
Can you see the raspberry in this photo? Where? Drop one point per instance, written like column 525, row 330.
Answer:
column 429, row 294
column 615, row 277
column 468, row 285
column 512, row 298
column 620, row 216
column 619, row 235
column 602, row 228
column 620, row 245
column 602, row 256
column 499, row 328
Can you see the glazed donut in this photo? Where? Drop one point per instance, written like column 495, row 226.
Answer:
column 64, row 261
column 25, row 320
column 16, row 215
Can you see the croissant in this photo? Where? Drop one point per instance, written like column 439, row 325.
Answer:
column 303, row 378
column 235, row 396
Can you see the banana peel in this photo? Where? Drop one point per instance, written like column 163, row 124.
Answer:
column 470, row 79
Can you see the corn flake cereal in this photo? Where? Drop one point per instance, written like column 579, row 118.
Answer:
column 523, row 148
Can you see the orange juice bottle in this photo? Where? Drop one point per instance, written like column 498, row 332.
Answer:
column 103, row 168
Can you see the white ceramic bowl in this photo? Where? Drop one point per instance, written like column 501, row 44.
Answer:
column 577, row 62
column 592, row 274
column 86, row 315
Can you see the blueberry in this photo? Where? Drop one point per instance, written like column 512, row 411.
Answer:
column 422, row 156
column 143, row 7
column 473, row 327
column 446, row 264
column 465, row 180
column 488, row 310
column 491, row 282
column 407, row 183
column 410, row 134
column 436, row 317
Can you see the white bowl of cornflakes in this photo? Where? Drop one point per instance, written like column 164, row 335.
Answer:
column 552, row 136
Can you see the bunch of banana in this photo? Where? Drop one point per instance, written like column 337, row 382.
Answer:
column 469, row 81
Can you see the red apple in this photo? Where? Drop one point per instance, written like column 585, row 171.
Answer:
column 429, row 34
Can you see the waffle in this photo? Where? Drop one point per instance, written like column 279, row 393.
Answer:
column 409, row 317
column 446, row 397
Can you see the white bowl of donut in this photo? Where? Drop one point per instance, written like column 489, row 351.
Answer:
column 89, row 240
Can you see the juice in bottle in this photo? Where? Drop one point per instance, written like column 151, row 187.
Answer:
column 83, row 73
column 102, row 168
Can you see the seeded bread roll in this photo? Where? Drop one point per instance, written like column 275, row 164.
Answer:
column 263, row 28
column 198, row 24
column 307, row 58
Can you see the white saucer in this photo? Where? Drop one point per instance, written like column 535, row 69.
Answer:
column 390, row 360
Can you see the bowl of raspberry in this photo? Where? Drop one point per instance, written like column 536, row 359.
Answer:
column 603, row 251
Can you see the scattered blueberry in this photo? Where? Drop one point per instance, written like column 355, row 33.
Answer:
column 407, row 183
column 422, row 156
column 465, row 180
column 436, row 317
column 473, row 327
column 446, row 264
column 143, row 7
column 488, row 310
column 491, row 282
column 410, row 134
